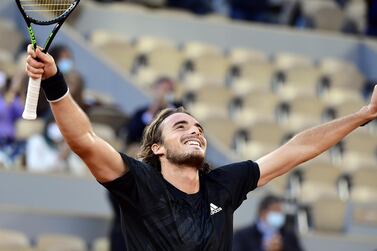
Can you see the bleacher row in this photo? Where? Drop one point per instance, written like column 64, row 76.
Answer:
column 317, row 14
column 11, row 240
column 251, row 103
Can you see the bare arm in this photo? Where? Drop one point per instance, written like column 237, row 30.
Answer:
column 312, row 142
column 103, row 160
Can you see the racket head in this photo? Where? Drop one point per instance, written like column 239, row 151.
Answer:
column 46, row 12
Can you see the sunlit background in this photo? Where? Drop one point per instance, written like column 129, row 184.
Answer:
column 254, row 72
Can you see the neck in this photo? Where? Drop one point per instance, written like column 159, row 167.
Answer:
column 184, row 178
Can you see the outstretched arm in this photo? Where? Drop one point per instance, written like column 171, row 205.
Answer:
column 103, row 160
column 312, row 142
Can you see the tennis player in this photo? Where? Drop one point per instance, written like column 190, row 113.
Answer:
column 171, row 199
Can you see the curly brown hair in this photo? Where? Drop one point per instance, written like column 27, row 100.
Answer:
column 153, row 134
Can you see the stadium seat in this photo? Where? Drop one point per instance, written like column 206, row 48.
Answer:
column 321, row 174
column 101, row 244
column 239, row 56
column 221, row 130
column 166, row 62
column 60, row 242
column 302, row 80
column 120, row 52
column 212, row 67
column 10, row 239
column 27, row 128
column 257, row 105
column 147, row 44
column 285, row 60
column 195, row 49
column 108, row 115
column 328, row 215
column 102, row 37
column 14, row 38
column 254, row 75
column 301, row 112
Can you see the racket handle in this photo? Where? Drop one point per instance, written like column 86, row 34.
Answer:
column 30, row 111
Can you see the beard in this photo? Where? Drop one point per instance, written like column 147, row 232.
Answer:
column 194, row 159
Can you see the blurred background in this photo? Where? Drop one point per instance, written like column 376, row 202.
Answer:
column 254, row 72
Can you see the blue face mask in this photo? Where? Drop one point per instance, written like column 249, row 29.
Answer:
column 275, row 219
column 65, row 65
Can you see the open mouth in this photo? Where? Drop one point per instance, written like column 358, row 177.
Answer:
column 192, row 143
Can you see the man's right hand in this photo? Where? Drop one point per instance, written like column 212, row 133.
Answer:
column 275, row 244
column 39, row 64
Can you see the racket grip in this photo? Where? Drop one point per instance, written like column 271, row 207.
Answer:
column 30, row 110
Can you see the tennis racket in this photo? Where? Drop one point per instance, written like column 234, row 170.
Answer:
column 42, row 12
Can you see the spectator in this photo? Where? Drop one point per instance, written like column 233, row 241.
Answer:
column 196, row 6
column 47, row 152
column 372, row 18
column 269, row 233
column 11, row 109
column 255, row 10
column 63, row 58
column 163, row 97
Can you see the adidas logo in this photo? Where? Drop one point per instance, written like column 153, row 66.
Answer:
column 215, row 209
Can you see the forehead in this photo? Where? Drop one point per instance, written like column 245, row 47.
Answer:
column 177, row 117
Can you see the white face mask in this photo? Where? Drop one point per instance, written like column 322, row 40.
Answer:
column 54, row 133
column 3, row 79
column 275, row 219
column 65, row 65
column 169, row 98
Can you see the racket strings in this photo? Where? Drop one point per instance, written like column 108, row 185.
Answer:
column 53, row 8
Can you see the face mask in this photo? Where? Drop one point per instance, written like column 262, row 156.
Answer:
column 65, row 65
column 3, row 79
column 169, row 98
column 275, row 220
column 54, row 133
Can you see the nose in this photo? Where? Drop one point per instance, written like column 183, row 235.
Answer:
column 195, row 130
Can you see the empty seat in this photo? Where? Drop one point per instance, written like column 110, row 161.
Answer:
column 268, row 132
column 27, row 128
column 302, row 80
column 221, row 130
column 254, row 75
column 60, row 242
column 195, row 49
column 257, row 105
column 208, row 97
column 119, row 52
column 108, row 115
column 101, row 244
column 319, row 179
column 348, row 107
column 285, row 61
column 14, row 38
column 302, row 112
column 341, row 74
column 239, row 56
column 147, row 44
column 101, row 37
column 166, row 62
column 361, row 142
column 328, row 215
column 11, row 239
column 213, row 67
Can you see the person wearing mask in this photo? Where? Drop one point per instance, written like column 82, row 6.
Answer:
column 269, row 232
column 63, row 58
column 170, row 198
column 163, row 97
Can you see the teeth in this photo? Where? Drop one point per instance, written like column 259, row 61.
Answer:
column 193, row 143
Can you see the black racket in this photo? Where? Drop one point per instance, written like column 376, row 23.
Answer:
column 42, row 12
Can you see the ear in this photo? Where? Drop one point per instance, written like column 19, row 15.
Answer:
column 157, row 149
